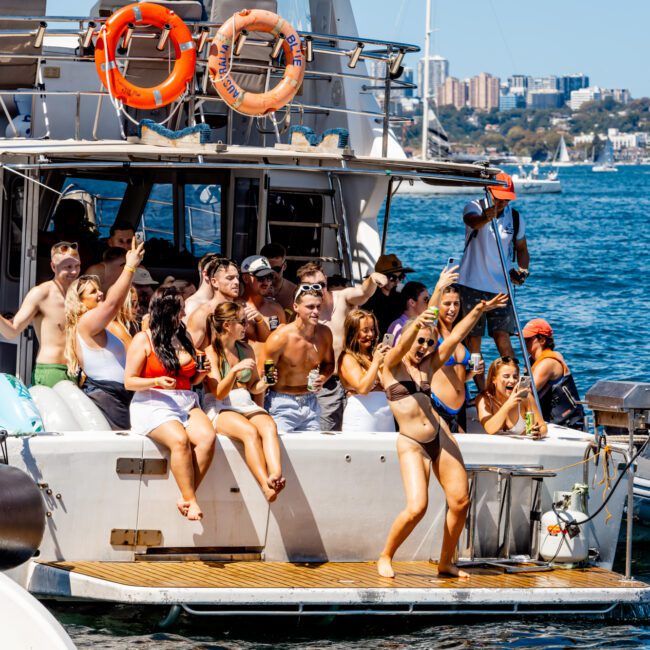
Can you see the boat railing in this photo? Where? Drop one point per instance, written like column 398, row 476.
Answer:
column 85, row 30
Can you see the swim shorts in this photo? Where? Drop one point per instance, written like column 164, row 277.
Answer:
column 49, row 374
column 293, row 412
column 498, row 320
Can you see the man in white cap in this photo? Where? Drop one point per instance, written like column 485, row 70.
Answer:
column 44, row 306
column 144, row 286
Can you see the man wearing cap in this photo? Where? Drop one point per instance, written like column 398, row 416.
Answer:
column 481, row 274
column 44, row 306
column 557, row 391
column 257, row 276
column 386, row 304
column 144, row 286
column 283, row 290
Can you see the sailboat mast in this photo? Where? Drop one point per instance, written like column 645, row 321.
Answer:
column 425, row 85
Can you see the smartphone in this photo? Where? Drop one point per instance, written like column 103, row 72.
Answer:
column 388, row 339
column 450, row 262
column 524, row 383
column 139, row 237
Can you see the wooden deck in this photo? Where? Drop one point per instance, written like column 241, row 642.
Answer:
column 331, row 575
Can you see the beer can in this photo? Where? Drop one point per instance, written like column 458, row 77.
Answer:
column 474, row 361
column 530, row 421
column 435, row 311
column 311, row 377
column 274, row 322
column 200, row 360
column 269, row 372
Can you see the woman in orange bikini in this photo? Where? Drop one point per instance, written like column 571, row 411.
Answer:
column 161, row 369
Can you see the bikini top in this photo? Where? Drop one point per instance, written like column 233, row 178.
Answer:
column 452, row 360
column 245, row 375
column 401, row 389
column 519, row 427
column 153, row 367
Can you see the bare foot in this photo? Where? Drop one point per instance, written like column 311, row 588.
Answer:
column 453, row 571
column 277, row 482
column 269, row 493
column 384, row 567
column 194, row 512
column 183, row 506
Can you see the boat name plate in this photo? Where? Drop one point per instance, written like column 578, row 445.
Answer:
column 143, row 466
column 132, row 537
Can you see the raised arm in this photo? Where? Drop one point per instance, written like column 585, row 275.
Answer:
column 479, row 216
column 10, row 329
column 396, row 354
column 363, row 292
column 447, row 277
column 96, row 320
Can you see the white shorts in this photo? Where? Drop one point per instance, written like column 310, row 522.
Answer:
column 238, row 400
column 152, row 407
column 367, row 413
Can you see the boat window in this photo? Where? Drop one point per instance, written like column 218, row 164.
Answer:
column 245, row 217
column 203, row 218
column 297, row 12
column 15, row 190
column 289, row 218
column 158, row 214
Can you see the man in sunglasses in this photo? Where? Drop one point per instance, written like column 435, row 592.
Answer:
column 44, row 307
column 336, row 306
column 283, row 290
column 297, row 350
column 386, row 304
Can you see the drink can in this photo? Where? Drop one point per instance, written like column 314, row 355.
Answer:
column 474, row 361
column 200, row 360
column 530, row 421
column 269, row 370
column 311, row 377
column 435, row 311
column 274, row 322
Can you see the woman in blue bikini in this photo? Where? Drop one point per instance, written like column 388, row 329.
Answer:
column 448, row 391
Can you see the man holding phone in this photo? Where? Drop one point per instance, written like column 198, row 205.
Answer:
column 481, row 273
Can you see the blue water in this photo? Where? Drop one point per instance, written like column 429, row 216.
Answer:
column 589, row 277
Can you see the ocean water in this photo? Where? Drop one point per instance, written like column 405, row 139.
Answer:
column 590, row 274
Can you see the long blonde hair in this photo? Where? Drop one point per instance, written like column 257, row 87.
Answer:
column 127, row 317
column 223, row 313
column 74, row 310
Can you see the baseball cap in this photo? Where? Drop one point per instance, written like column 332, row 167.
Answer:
column 537, row 326
column 256, row 265
column 143, row 277
column 391, row 264
column 507, row 192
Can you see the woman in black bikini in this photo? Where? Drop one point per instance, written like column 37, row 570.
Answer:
column 424, row 441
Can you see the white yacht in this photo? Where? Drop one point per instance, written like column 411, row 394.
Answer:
column 113, row 533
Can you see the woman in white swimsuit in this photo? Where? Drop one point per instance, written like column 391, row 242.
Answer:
column 502, row 405
column 228, row 402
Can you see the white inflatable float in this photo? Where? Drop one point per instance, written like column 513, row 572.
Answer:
column 19, row 412
column 85, row 411
column 57, row 415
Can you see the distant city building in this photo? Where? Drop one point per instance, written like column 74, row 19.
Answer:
column 454, row 92
column 508, row 101
column 583, row 139
column 407, row 77
column 518, row 83
column 542, row 83
column 484, row 92
column 626, row 140
column 544, row 98
column 438, row 73
column 570, row 82
column 621, row 95
column 584, row 95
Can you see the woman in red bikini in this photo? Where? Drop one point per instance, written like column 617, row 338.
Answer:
column 161, row 369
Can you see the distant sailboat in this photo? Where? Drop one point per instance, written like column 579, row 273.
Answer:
column 605, row 162
column 561, row 157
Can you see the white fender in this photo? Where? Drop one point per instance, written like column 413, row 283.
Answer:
column 86, row 412
column 57, row 415
column 19, row 413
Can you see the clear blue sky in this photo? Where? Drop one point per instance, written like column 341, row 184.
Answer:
column 607, row 41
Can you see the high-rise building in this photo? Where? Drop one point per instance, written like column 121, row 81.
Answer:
column 508, row 101
column 580, row 97
column 453, row 93
column 519, row 82
column 438, row 72
column 570, row 82
column 545, row 98
column 621, row 95
column 407, row 77
column 484, row 91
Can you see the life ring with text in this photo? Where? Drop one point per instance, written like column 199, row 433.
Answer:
column 219, row 62
column 145, row 13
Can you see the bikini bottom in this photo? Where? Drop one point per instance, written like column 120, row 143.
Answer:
column 455, row 418
column 432, row 448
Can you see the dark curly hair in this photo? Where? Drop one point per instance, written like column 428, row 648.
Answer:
column 165, row 310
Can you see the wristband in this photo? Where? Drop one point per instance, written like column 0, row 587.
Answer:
column 130, row 269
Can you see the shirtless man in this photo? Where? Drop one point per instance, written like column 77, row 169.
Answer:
column 110, row 268
column 283, row 290
column 296, row 349
column 336, row 306
column 44, row 306
column 224, row 279
column 257, row 277
column 121, row 235
column 205, row 292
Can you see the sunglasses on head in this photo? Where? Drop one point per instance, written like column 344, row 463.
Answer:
column 429, row 342
column 65, row 247
column 308, row 287
column 512, row 360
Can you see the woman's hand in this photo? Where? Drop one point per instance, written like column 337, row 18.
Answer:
column 245, row 364
column 207, row 367
column 499, row 301
column 164, row 382
column 537, row 432
column 447, row 276
column 135, row 255
column 380, row 353
column 426, row 319
column 518, row 395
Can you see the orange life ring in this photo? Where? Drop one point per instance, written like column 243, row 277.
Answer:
column 256, row 20
column 108, row 40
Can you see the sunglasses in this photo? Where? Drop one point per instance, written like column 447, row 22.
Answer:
column 66, row 247
column 512, row 360
column 396, row 277
column 308, row 287
column 429, row 342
